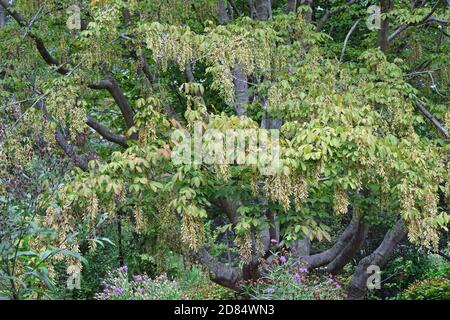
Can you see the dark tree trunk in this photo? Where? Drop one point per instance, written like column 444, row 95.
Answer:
column 241, row 90
column 349, row 251
column 220, row 273
column 291, row 6
column 263, row 9
column 325, row 257
column 358, row 284
column 2, row 17
column 383, row 33
column 222, row 11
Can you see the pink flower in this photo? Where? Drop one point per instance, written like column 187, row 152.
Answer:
column 273, row 241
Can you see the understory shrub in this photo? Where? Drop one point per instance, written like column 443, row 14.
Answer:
column 437, row 288
column 118, row 286
column 287, row 280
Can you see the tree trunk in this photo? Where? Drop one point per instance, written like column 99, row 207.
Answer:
column 358, row 284
column 383, row 33
column 349, row 251
column 222, row 12
column 240, row 89
column 325, row 257
column 2, row 17
column 291, row 6
column 220, row 273
column 263, row 9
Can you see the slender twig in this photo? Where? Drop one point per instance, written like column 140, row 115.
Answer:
column 348, row 37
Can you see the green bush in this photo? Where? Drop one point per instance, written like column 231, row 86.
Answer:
column 437, row 288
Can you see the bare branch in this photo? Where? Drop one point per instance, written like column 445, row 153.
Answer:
column 106, row 133
column 432, row 118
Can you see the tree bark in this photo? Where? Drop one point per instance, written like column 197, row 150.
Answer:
column 240, row 89
column 325, row 257
column 2, row 17
column 263, row 9
column 291, row 6
column 220, row 273
column 349, row 251
column 222, row 12
column 358, row 284
column 383, row 33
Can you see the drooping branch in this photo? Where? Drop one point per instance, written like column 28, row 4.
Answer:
column 116, row 92
column 70, row 151
column 432, row 118
column 106, row 133
column 40, row 46
column 347, row 38
column 358, row 284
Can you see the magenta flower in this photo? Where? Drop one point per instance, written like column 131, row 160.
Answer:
column 273, row 241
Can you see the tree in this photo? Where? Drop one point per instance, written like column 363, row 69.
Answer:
column 355, row 145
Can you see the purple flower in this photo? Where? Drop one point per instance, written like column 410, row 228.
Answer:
column 141, row 290
column 123, row 268
column 297, row 277
column 270, row 290
column 338, row 286
column 303, row 270
column 273, row 241
column 138, row 278
column 118, row 291
column 283, row 259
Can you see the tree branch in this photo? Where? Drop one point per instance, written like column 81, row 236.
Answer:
column 70, row 151
column 433, row 120
column 358, row 283
column 106, row 133
column 220, row 273
column 45, row 54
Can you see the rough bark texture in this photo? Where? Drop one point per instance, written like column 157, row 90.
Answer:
column 220, row 273
column 383, row 34
column 241, row 90
column 358, row 284
column 263, row 9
